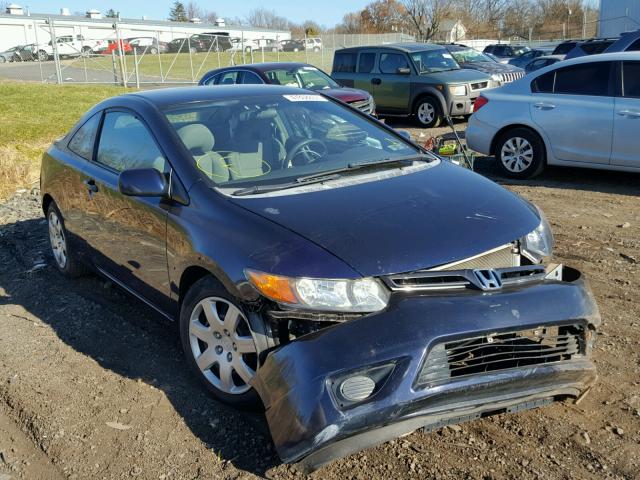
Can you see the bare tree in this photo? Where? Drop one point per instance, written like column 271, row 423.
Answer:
column 426, row 15
column 194, row 11
column 261, row 17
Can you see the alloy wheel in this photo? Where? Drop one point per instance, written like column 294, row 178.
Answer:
column 426, row 113
column 222, row 345
column 516, row 154
column 57, row 239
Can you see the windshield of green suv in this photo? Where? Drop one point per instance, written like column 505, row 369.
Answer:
column 304, row 77
column 430, row 61
column 466, row 55
column 274, row 139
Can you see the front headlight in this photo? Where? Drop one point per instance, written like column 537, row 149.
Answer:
column 539, row 243
column 362, row 295
column 458, row 90
column 496, row 77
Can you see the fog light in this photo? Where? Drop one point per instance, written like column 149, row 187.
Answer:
column 357, row 388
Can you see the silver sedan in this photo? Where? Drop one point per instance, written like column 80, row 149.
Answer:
column 583, row 112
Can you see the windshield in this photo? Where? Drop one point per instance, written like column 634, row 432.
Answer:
column 430, row 61
column 304, row 77
column 272, row 139
column 520, row 50
column 467, row 55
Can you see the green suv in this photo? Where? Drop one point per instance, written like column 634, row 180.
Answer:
column 416, row 79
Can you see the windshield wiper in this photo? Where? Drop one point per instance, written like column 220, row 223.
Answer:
column 298, row 182
column 331, row 174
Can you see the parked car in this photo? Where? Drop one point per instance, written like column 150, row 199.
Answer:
column 26, row 53
column 246, row 45
column 525, row 58
column 592, row 46
column 70, row 46
column 267, row 45
column 628, row 42
column 356, row 284
column 411, row 79
column 112, row 46
column 313, row 44
column 291, row 74
column 211, row 41
column 292, row 46
column 10, row 54
column 542, row 62
column 504, row 51
column 471, row 58
column 582, row 112
column 147, row 45
column 565, row 47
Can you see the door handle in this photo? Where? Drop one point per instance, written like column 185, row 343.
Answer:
column 629, row 113
column 544, row 106
column 91, row 185
column 376, row 81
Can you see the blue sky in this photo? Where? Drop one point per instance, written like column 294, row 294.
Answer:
column 327, row 12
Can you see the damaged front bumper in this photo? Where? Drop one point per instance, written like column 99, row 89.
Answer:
column 414, row 378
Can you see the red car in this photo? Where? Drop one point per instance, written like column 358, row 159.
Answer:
column 112, row 46
column 291, row 74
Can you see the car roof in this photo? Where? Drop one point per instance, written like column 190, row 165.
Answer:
column 182, row 95
column 403, row 47
column 602, row 57
column 258, row 67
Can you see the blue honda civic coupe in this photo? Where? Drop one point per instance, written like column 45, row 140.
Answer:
column 319, row 264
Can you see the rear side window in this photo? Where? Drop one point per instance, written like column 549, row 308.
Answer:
column 366, row 62
column 634, row 47
column 344, row 62
column 583, row 79
column 391, row 62
column 82, row 141
column 251, row 78
column 631, row 79
column 227, row 78
column 544, row 83
column 126, row 143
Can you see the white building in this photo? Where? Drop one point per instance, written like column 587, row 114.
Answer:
column 617, row 16
column 18, row 26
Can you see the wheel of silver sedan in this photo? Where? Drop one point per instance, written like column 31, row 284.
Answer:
column 516, row 154
column 57, row 239
column 222, row 345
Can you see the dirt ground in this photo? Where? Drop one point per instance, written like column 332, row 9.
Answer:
column 93, row 384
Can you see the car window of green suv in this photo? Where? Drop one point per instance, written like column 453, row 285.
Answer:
column 366, row 62
column 391, row 62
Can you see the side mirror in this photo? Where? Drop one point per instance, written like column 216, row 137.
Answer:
column 143, row 182
column 403, row 71
column 404, row 133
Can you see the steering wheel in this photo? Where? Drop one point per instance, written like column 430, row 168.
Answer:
column 303, row 148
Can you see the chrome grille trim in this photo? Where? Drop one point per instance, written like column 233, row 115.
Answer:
column 503, row 256
column 511, row 76
column 363, row 105
column 493, row 352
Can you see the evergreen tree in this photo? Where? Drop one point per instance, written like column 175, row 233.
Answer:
column 178, row 13
column 111, row 13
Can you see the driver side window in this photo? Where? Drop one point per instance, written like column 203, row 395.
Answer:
column 391, row 62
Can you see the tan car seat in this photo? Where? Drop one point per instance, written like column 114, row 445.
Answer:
column 200, row 141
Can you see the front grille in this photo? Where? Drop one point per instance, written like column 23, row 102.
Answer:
column 500, row 351
column 363, row 105
column 479, row 85
column 501, row 257
column 511, row 76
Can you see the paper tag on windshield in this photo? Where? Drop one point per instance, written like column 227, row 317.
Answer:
column 305, row 98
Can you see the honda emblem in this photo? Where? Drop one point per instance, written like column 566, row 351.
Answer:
column 488, row 279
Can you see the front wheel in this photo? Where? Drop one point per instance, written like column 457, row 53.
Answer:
column 221, row 347
column 520, row 153
column 427, row 112
column 153, row 50
column 42, row 56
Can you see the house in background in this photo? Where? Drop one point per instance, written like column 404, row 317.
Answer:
column 450, row 31
column 618, row 16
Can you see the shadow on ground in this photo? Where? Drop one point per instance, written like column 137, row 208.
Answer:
column 123, row 335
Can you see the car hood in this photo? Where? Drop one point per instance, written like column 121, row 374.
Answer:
column 403, row 223
column 491, row 67
column 456, row 76
column 346, row 94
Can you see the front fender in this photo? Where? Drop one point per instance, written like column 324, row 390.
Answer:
column 431, row 91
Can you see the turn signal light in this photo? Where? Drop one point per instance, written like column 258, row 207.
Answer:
column 272, row 286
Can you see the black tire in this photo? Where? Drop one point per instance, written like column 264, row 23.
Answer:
column 153, row 50
column 425, row 106
column 42, row 56
column 521, row 164
column 193, row 50
column 316, row 49
column 209, row 288
column 72, row 267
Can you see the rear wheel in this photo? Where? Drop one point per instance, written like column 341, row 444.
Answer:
column 520, row 153
column 427, row 112
column 42, row 56
column 153, row 50
column 222, row 346
column 63, row 255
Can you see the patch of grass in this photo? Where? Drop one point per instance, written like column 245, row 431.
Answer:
column 32, row 115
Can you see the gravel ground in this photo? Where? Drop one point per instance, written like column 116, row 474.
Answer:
column 93, row 384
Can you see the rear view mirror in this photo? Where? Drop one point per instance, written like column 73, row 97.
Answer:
column 143, row 182
column 403, row 71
